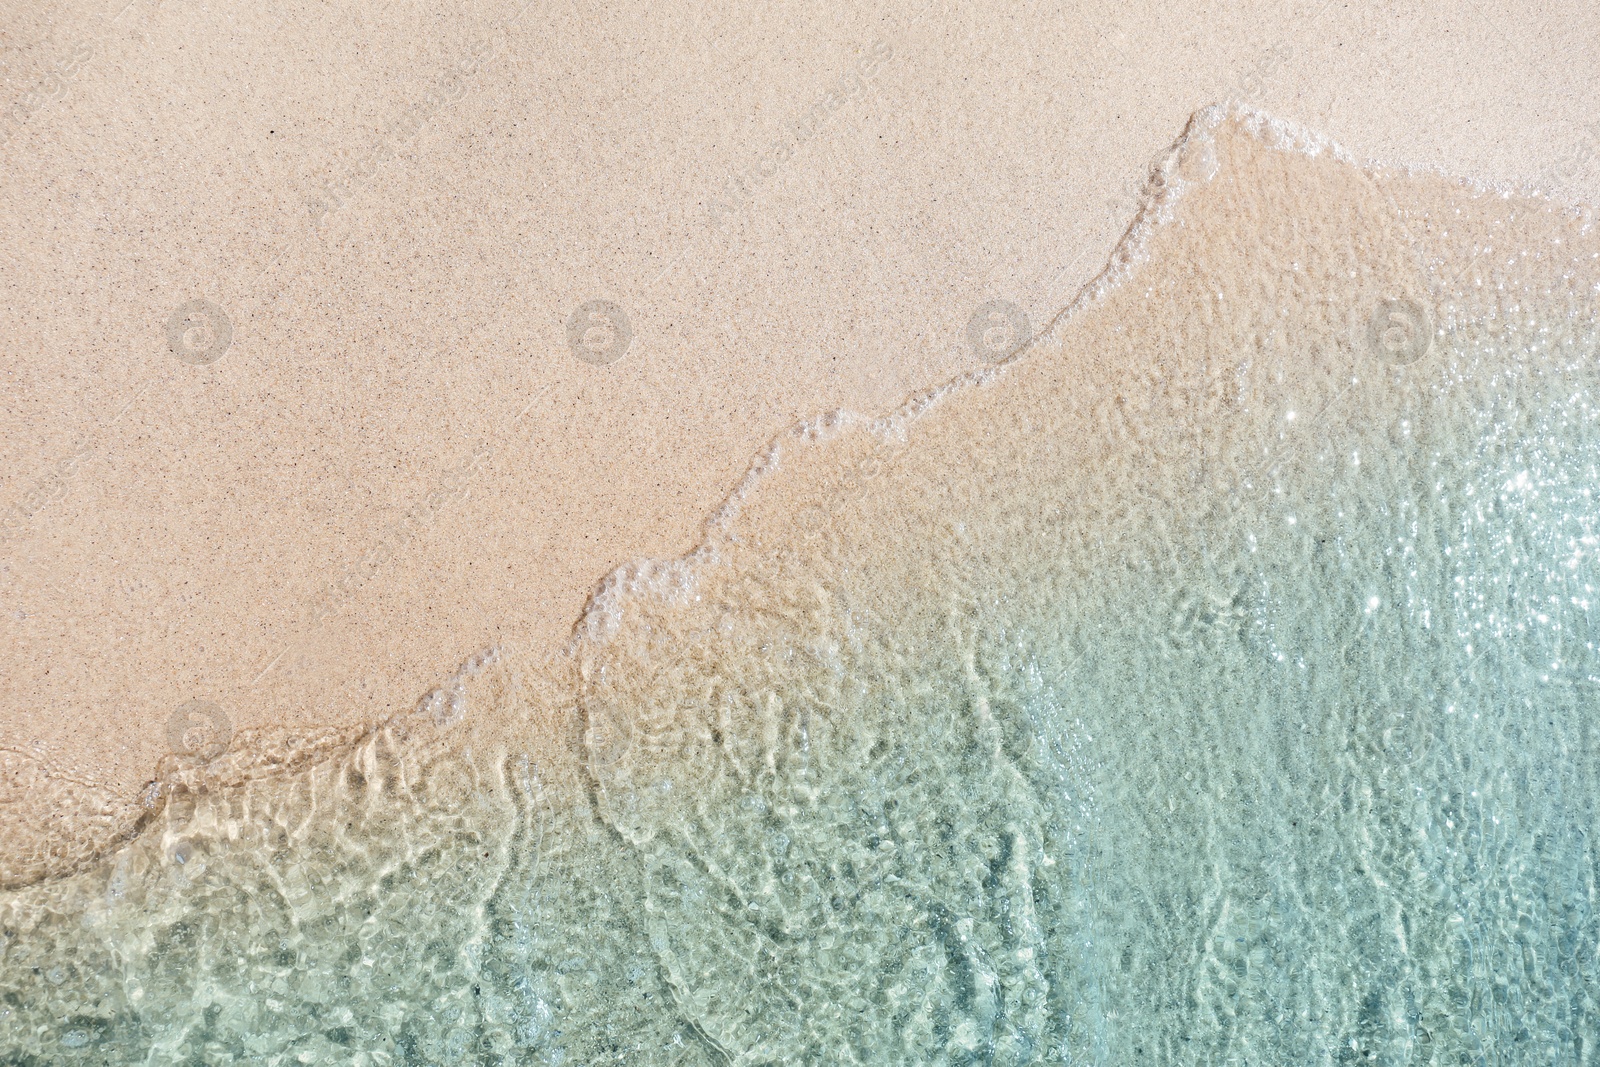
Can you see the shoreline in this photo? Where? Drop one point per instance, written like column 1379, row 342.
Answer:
column 275, row 751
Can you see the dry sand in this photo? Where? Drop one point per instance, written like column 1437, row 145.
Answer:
column 294, row 423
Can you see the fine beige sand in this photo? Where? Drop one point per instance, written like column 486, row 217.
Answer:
column 345, row 343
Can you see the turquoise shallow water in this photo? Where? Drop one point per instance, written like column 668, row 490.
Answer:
column 1219, row 685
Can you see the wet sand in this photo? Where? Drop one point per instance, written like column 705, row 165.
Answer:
column 309, row 403
column 1212, row 680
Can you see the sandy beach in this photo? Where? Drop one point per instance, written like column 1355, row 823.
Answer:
column 347, row 344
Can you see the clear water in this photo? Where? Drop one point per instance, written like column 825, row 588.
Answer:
column 1217, row 683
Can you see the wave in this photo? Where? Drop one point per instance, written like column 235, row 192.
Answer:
column 1211, row 679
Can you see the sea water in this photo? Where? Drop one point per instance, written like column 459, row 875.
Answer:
column 1216, row 682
